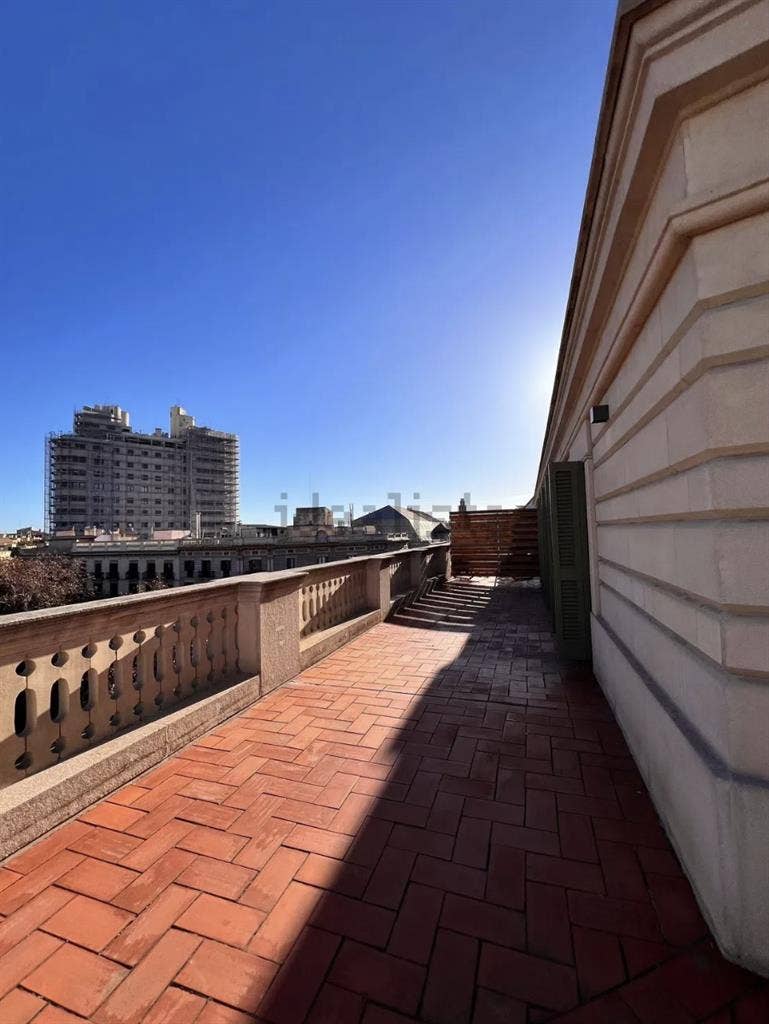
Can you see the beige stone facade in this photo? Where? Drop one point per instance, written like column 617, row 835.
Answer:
column 668, row 324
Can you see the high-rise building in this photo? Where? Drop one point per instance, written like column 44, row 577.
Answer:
column 107, row 477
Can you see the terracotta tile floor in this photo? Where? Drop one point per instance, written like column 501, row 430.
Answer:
column 440, row 822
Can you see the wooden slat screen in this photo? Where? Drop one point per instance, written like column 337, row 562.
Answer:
column 500, row 542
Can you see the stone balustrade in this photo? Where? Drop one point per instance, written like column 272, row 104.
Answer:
column 75, row 676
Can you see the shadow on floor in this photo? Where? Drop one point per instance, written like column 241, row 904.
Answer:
column 439, row 822
column 507, row 864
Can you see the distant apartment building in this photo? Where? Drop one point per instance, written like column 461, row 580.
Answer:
column 106, row 477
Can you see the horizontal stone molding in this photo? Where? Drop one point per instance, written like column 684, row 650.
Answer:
column 720, row 707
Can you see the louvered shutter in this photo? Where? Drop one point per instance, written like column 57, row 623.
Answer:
column 568, row 554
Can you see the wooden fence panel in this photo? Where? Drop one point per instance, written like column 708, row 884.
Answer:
column 501, row 542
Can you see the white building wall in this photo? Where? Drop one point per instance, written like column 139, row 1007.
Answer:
column 670, row 328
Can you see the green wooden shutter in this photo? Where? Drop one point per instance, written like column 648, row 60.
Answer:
column 543, row 536
column 568, row 551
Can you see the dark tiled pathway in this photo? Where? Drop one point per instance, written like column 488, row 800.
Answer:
column 440, row 822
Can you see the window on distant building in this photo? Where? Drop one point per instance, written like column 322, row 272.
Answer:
column 189, row 568
column 290, row 562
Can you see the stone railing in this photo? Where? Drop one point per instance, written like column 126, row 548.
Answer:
column 75, row 676
column 333, row 596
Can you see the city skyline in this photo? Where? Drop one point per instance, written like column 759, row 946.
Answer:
column 365, row 280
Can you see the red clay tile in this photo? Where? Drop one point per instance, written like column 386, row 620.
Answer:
column 484, row 921
column 702, row 981
column 55, row 1015
column 318, row 840
column 75, row 979
column 505, row 879
column 472, row 842
column 97, row 878
column 258, row 850
column 218, row 877
column 445, row 813
column 264, row 891
column 8, row 878
column 144, row 889
column 218, row 1013
column 215, row 918
column 112, row 816
column 175, row 1006
column 434, row 740
column 336, row 1005
column 17, row 964
column 132, row 999
column 87, row 922
column 422, row 840
column 21, row 892
column 531, row 839
column 39, row 909
column 650, row 1001
column 328, row 873
column 293, row 991
column 380, row 976
column 495, row 1008
column 390, row 877
column 353, row 919
column 104, row 844
column 571, row 874
column 40, row 853
column 451, row 877
column 163, row 839
column 229, row 975
column 134, row 941
column 212, row 842
column 540, row 810
column 547, row 923
column 622, row 917
column 214, row 815
column 285, row 921
column 19, row 1007
column 417, row 921
column 599, row 962
column 677, row 909
column 527, row 978
column 370, row 842
column 448, row 995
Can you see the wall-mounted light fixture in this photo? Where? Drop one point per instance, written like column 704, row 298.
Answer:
column 599, row 414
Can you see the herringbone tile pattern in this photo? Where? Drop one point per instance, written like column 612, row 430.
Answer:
column 440, row 822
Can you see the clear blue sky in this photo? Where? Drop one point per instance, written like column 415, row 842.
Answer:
column 343, row 230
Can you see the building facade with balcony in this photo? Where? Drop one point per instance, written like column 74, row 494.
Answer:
column 120, row 567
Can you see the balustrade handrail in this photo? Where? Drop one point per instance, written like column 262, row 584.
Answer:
column 174, row 593
column 75, row 675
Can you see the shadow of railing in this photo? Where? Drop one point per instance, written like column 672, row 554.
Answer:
column 408, row 845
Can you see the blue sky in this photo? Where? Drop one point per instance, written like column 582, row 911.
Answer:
column 343, row 230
